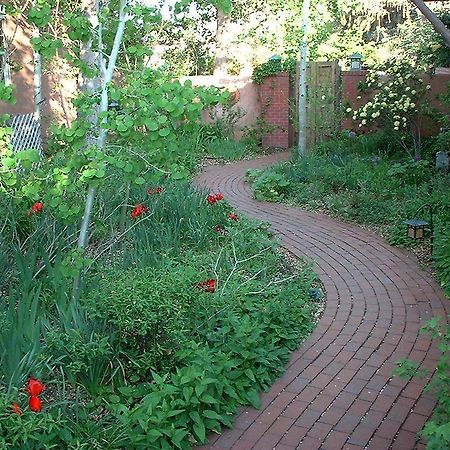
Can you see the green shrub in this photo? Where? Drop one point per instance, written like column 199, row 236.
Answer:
column 245, row 353
column 84, row 356
column 410, row 172
column 378, row 143
column 272, row 67
column 437, row 430
column 150, row 307
column 268, row 185
column 442, row 254
column 30, row 431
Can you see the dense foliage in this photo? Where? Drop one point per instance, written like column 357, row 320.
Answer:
column 273, row 67
column 148, row 357
column 254, row 30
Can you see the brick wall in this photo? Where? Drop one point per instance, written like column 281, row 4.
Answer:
column 350, row 92
column 274, row 97
column 428, row 127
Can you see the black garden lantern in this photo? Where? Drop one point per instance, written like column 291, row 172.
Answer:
column 416, row 227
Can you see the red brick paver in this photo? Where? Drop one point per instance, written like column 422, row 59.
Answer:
column 338, row 391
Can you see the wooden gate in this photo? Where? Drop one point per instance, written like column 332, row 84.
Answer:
column 323, row 101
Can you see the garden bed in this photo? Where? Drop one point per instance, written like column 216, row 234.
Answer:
column 190, row 315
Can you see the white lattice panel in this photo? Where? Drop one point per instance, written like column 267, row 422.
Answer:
column 26, row 133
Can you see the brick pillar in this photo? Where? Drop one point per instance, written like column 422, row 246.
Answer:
column 350, row 92
column 274, row 96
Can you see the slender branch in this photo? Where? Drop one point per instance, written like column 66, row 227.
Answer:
column 270, row 284
column 117, row 239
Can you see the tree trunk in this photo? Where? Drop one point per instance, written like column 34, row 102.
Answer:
column 221, row 61
column 4, row 56
column 37, row 82
column 438, row 25
column 91, row 9
column 105, row 78
column 302, row 90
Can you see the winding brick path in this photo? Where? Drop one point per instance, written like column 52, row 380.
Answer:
column 337, row 391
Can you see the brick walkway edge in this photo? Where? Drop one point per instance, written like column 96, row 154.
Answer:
column 338, row 391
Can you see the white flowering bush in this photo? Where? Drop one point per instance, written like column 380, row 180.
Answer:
column 397, row 103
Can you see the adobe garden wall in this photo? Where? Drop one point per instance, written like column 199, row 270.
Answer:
column 58, row 84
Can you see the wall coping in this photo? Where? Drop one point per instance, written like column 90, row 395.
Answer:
column 278, row 75
column 354, row 73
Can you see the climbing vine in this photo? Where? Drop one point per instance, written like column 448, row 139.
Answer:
column 272, row 67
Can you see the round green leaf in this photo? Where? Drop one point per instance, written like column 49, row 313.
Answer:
column 163, row 132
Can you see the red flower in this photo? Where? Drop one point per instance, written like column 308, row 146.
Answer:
column 36, row 208
column 219, row 228
column 157, row 190
column 16, row 409
column 211, row 199
column 138, row 210
column 207, row 285
column 34, row 387
column 233, row 216
column 35, row 404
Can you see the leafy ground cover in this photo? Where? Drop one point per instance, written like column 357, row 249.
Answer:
column 368, row 181
column 183, row 317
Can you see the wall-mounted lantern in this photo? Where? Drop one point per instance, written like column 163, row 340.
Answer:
column 356, row 61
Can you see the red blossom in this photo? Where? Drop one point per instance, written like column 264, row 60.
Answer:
column 138, row 210
column 211, row 199
column 152, row 191
column 36, row 208
column 219, row 228
column 233, row 216
column 34, row 387
column 16, row 409
column 35, row 404
column 207, row 285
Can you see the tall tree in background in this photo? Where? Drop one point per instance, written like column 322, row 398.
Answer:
column 438, row 25
column 221, row 59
